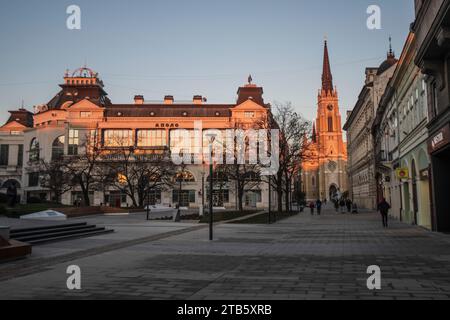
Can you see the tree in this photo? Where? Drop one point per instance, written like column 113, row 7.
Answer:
column 54, row 178
column 83, row 169
column 293, row 148
column 136, row 174
column 246, row 175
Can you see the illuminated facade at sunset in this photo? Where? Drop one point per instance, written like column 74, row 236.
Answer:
column 325, row 169
column 82, row 109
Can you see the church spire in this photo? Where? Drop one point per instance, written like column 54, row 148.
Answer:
column 314, row 134
column 327, row 78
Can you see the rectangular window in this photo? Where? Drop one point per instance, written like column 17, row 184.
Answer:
column 434, row 100
column 20, row 156
column 118, row 138
column 74, row 142
column 152, row 138
column 188, row 144
column 4, row 155
column 186, row 197
column 16, row 133
column 85, row 114
column 249, row 114
column 33, row 179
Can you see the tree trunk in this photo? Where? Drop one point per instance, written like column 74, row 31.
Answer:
column 87, row 201
column 240, row 202
column 287, row 196
column 280, row 198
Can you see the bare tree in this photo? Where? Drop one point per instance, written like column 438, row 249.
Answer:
column 53, row 177
column 83, row 169
column 293, row 148
column 244, row 174
column 136, row 173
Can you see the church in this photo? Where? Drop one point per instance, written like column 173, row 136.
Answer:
column 324, row 174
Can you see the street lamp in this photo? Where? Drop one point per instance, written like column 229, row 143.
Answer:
column 211, row 185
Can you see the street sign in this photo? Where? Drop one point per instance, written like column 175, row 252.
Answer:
column 402, row 173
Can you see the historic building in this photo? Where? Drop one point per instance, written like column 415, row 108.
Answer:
column 361, row 159
column 325, row 170
column 81, row 110
column 432, row 30
column 12, row 148
column 400, row 136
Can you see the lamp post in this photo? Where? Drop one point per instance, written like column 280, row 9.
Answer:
column 211, row 186
column 270, row 198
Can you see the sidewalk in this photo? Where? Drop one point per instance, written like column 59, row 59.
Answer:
column 303, row 257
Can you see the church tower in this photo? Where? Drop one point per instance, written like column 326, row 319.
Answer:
column 328, row 122
column 325, row 173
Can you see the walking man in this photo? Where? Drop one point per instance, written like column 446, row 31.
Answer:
column 348, row 203
column 383, row 208
column 319, row 206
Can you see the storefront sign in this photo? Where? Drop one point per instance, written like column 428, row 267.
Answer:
column 167, row 125
column 402, row 173
column 439, row 140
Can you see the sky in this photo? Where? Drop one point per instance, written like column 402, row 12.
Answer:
column 189, row 47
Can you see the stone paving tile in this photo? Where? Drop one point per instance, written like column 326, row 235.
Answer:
column 302, row 257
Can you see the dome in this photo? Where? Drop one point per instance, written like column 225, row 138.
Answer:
column 84, row 73
column 387, row 64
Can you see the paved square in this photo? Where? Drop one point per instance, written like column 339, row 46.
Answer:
column 304, row 257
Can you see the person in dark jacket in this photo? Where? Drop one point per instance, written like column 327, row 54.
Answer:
column 312, row 206
column 383, row 208
column 348, row 203
column 319, row 206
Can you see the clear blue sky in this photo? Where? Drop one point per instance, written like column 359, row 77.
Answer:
column 189, row 47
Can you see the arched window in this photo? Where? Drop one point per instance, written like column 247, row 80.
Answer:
column 58, row 148
column 34, row 150
column 11, row 183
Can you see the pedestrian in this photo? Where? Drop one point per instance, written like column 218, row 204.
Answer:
column 383, row 208
column 354, row 208
column 319, row 206
column 342, row 205
column 311, row 206
column 336, row 205
column 348, row 203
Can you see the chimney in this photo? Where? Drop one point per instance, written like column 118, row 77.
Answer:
column 168, row 100
column 139, row 99
column 198, row 100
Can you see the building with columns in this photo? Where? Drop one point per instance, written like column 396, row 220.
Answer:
column 324, row 172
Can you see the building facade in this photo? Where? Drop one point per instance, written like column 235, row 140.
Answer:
column 432, row 30
column 82, row 110
column 361, row 159
column 324, row 172
column 12, row 149
column 400, row 136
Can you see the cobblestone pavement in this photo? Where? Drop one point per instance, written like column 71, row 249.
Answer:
column 302, row 257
